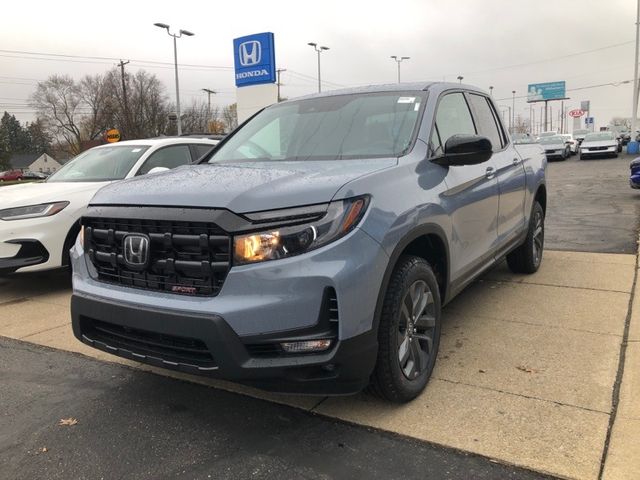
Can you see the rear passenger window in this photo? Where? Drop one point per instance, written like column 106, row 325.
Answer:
column 452, row 118
column 485, row 120
column 201, row 149
column 168, row 157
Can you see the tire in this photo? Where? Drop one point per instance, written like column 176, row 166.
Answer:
column 528, row 256
column 407, row 350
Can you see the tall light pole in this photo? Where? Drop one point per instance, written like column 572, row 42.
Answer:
column 399, row 60
column 319, row 49
column 460, row 77
column 491, row 90
column 634, row 109
column 513, row 109
column 175, row 62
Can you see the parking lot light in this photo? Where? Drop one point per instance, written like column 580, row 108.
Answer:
column 399, row 60
column 318, row 49
column 175, row 36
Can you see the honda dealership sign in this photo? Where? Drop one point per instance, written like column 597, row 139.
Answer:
column 255, row 59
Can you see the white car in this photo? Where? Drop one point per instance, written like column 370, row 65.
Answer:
column 599, row 144
column 39, row 222
column 555, row 147
column 569, row 140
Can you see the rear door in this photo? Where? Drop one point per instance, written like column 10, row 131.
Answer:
column 509, row 171
column 472, row 193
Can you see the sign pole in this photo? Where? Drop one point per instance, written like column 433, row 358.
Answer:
column 546, row 123
column 634, row 109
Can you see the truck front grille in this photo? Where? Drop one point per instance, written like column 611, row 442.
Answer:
column 188, row 258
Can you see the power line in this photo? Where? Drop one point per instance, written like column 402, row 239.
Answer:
column 536, row 62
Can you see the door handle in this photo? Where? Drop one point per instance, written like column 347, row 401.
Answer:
column 516, row 161
column 490, row 172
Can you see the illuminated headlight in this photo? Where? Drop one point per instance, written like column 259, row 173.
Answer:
column 342, row 217
column 32, row 211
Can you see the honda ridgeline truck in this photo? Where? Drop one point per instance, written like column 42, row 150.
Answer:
column 313, row 249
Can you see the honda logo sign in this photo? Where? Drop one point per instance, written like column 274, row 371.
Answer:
column 250, row 53
column 254, row 59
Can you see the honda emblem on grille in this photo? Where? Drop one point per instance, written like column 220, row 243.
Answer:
column 136, row 251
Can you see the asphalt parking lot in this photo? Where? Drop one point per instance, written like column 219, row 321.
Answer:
column 528, row 379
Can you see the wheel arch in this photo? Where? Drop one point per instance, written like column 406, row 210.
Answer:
column 428, row 241
column 68, row 243
column 541, row 197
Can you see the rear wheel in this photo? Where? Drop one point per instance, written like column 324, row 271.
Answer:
column 409, row 331
column 528, row 256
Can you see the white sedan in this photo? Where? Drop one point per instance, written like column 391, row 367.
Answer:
column 39, row 222
column 555, row 146
column 599, row 143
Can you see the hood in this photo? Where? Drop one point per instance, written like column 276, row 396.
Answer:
column 35, row 193
column 241, row 187
column 599, row 143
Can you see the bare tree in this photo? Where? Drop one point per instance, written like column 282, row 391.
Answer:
column 623, row 122
column 230, row 116
column 73, row 112
column 198, row 117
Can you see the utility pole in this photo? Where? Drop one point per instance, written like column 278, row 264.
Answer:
column 279, row 83
column 124, row 96
column 208, row 91
column 514, row 110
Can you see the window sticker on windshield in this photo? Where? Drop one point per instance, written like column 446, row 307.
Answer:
column 136, row 150
column 406, row 99
column 417, row 106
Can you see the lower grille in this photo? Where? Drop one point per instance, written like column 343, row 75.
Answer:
column 169, row 349
column 597, row 149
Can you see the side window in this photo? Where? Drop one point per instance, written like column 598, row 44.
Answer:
column 452, row 118
column 201, row 149
column 486, row 121
column 168, row 157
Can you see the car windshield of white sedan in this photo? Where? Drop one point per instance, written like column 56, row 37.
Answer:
column 551, row 140
column 100, row 164
column 328, row 128
column 597, row 137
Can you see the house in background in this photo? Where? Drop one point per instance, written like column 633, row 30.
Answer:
column 34, row 162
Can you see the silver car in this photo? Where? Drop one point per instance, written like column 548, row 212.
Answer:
column 555, row 147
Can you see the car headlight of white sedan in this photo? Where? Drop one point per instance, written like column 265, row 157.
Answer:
column 32, row 211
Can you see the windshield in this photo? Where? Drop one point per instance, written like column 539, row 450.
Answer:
column 547, row 134
column 328, row 128
column 549, row 140
column 580, row 132
column 100, row 164
column 594, row 137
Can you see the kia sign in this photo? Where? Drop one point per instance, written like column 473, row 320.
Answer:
column 255, row 59
column 576, row 113
column 540, row 92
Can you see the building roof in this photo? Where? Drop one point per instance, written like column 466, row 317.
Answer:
column 23, row 160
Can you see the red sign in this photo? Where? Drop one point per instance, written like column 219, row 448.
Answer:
column 576, row 113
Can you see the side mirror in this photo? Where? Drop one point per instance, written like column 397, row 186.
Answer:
column 465, row 150
column 157, row 170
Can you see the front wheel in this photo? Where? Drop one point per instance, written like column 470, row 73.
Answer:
column 409, row 331
column 528, row 256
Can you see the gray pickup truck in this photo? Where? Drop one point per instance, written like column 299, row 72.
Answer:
column 313, row 250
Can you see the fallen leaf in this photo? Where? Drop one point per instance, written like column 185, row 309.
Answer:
column 68, row 422
column 482, row 371
column 45, row 449
column 526, row 369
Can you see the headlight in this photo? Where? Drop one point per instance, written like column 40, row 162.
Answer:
column 32, row 211
column 342, row 216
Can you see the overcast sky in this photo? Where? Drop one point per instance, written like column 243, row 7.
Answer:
column 504, row 43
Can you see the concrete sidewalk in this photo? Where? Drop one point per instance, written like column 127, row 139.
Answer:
column 525, row 375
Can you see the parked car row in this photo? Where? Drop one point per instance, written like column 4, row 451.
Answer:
column 19, row 175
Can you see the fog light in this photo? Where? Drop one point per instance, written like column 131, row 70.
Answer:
column 306, row 346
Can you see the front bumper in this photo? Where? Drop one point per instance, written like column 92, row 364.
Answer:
column 33, row 244
column 258, row 304
column 207, row 345
column 613, row 150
